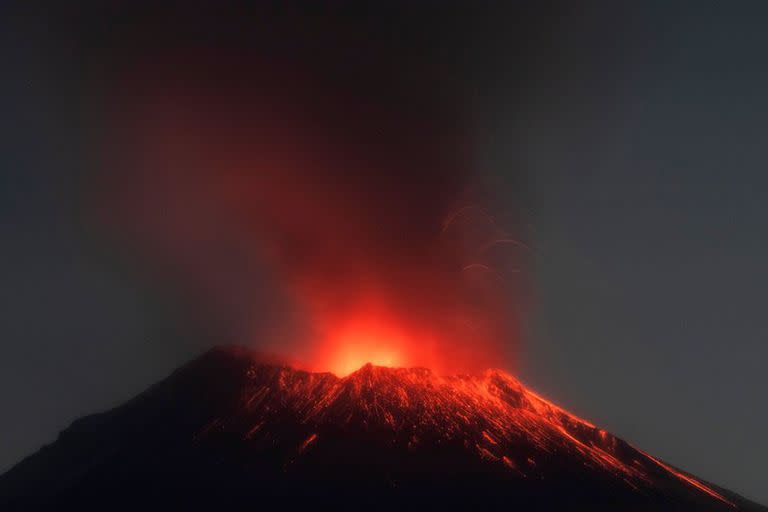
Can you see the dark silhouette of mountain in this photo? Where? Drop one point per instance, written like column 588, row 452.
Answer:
column 231, row 431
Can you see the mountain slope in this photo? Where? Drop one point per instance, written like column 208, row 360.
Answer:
column 230, row 430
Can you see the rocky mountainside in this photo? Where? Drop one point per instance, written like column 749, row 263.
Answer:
column 231, row 430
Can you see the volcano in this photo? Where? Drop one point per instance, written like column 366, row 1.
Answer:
column 232, row 429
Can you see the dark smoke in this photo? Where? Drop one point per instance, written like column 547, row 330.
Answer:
column 311, row 169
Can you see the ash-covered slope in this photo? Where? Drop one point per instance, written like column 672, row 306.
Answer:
column 231, row 431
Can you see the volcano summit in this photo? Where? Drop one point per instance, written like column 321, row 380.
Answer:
column 232, row 430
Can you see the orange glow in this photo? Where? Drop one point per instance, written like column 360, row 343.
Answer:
column 334, row 250
column 367, row 339
column 353, row 356
column 373, row 328
column 490, row 412
column 692, row 481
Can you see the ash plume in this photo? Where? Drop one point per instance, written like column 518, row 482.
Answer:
column 307, row 185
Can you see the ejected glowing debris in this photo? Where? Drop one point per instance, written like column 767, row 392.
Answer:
column 231, row 425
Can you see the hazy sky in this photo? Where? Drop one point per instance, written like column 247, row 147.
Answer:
column 644, row 138
column 632, row 139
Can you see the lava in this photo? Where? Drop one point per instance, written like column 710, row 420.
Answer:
column 492, row 415
column 242, row 429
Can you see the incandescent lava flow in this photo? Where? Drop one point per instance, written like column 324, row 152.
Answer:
column 232, row 430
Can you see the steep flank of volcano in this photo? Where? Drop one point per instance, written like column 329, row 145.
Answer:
column 230, row 429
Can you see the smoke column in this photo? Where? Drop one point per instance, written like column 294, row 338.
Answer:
column 309, row 188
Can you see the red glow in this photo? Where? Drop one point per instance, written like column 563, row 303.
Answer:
column 493, row 416
column 364, row 340
column 358, row 347
column 359, row 351
column 692, row 481
column 310, row 221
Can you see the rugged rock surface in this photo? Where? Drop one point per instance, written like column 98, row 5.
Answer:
column 231, row 430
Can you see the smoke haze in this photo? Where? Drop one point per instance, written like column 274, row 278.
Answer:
column 335, row 163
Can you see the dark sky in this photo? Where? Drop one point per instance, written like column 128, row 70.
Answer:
column 630, row 140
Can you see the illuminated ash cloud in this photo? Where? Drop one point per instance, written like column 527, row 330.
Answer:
column 332, row 162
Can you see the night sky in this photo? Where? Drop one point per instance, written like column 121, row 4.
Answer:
column 626, row 145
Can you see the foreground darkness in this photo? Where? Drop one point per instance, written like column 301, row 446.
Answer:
column 232, row 429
